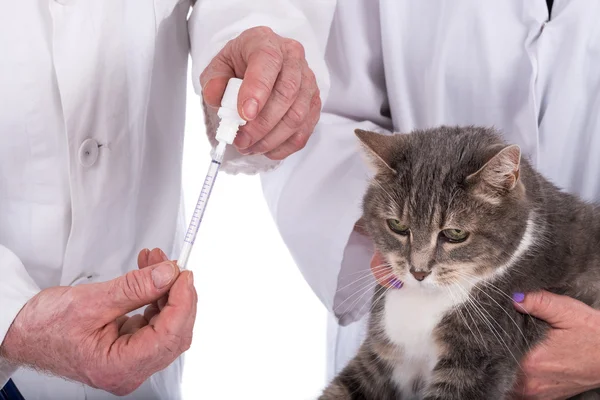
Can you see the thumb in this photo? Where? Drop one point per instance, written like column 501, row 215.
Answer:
column 134, row 290
column 214, row 79
column 555, row 309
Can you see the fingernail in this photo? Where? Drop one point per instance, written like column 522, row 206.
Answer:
column 250, row 109
column 243, row 141
column 191, row 279
column 246, row 152
column 396, row 283
column 163, row 255
column 518, row 297
column 163, row 274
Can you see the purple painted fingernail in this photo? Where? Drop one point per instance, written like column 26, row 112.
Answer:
column 396, row 283
column 518, row 297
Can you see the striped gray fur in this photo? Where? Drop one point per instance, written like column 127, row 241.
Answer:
column 458, row 174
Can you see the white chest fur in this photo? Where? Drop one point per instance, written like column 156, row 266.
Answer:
column 411, row 314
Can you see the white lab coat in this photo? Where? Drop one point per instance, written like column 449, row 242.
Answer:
column 92, row 109
column 397, row 65
column 119, row 82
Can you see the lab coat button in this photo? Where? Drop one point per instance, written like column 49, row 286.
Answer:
column 88, row 152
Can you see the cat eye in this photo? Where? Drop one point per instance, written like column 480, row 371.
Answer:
column 455, row 235
column 397, row 227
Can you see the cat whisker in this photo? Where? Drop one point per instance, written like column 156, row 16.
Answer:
column 367, row 274
column 380, row 296
column 376, row 268
column 359, row 299
column 498, row 304
column 362, row 291
column 452, row 295
column 377, row 296
column 489, row 323
column 474, row 279
column 477, row 309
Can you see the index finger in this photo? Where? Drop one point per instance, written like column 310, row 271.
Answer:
column 556, row 310
column 175, row 322
column 167, row 336
column 264, row 66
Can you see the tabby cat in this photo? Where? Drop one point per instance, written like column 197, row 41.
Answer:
column 464, row 222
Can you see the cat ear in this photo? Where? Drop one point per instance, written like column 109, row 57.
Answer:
column 499, row 175
column 379, row 149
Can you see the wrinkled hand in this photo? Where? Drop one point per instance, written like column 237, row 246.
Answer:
column 567, row 362
column 81, row 332
column 279, row 96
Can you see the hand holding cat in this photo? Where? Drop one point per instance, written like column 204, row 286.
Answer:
column 279, row 96
column 82, row 333
column 567, row 362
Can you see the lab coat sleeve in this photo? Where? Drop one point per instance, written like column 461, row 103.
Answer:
column 16, row 288
column 315, row 198
column 214, row 22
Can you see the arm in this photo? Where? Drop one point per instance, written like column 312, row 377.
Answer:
column 16, row 289
column 315, row 196
column 212, row 26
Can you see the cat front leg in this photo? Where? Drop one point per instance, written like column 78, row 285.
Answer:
column 472, row 375
column 336, row 391
column 366, row 377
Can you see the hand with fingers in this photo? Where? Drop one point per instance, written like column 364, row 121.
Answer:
column 382, row 271
column 567, row 362
column 279, row 96
column 82, row 333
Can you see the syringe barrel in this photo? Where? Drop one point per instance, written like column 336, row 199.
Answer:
column 226, row 132
column 192, row 231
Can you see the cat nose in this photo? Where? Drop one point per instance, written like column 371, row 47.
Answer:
column 419, row 275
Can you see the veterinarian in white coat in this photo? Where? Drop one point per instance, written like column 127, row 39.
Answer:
column 393, row 65
column 92, row 107
column 397, row 65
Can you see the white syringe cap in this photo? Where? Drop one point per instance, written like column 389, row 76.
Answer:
column 230, row 118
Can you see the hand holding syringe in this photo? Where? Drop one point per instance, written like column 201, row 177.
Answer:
column 226, row 132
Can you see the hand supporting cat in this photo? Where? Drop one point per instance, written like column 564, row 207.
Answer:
column 567, row 362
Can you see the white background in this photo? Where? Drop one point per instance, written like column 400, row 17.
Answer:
column 260, row 331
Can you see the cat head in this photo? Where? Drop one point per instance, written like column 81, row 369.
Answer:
column 445, row 205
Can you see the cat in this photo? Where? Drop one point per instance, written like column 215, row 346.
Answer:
column 464, row 221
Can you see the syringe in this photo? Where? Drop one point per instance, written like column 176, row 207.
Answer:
column 226, row 132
